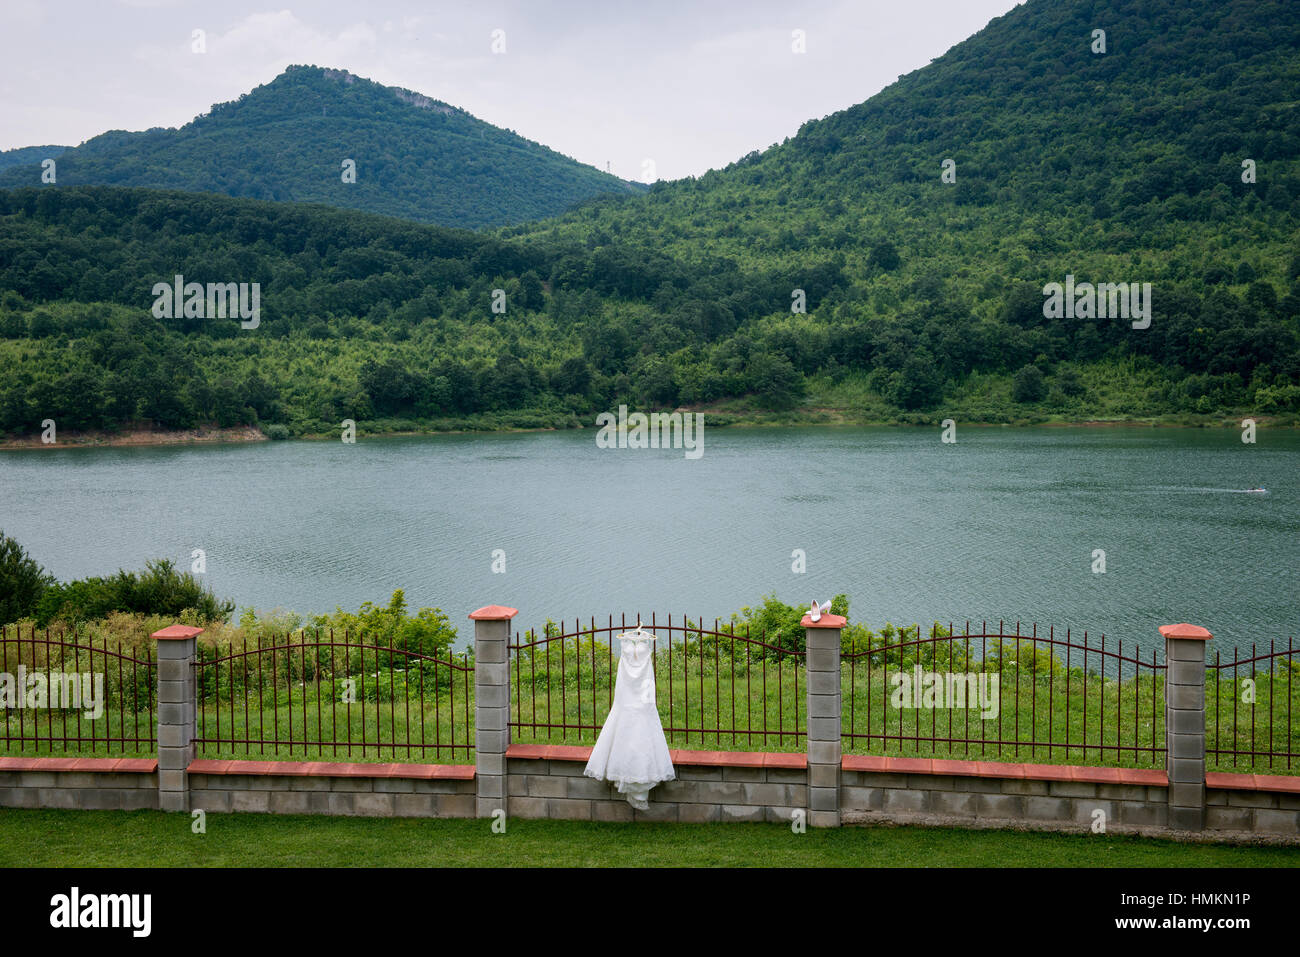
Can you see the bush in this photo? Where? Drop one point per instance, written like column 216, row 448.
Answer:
column 1023, row 657
column 1029, row 385
column 159, row 590
column 917, row 386
column 429, row 632
column 776, row 623
column 22, row 581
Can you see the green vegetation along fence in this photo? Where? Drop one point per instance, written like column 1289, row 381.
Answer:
column 1018, row 695
column 62, row 695
column 322, row 696
column 1004, row 696
column 721, row 687
column 1249, row 706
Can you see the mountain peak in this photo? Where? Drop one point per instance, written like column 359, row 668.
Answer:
column 347, row 79
column 303, row 87
column 326, row 135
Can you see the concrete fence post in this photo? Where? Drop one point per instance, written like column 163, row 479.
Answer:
column 177, row 710
column 822, row 669
column 1185, row 724
column 491, row 706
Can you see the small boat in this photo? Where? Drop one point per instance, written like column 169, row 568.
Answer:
column 1257, row 491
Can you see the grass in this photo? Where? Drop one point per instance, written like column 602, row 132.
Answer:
column 155, row 839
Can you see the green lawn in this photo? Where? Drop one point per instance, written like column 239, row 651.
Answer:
column 152, row 838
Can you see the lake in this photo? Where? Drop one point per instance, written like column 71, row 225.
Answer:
column 1002, row 524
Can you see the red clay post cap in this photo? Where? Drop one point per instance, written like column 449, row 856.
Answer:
column 827, row 620
column 493, row 613
column 1185, row 630
column 177, row 631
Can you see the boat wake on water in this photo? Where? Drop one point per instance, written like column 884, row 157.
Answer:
column 1210, row 491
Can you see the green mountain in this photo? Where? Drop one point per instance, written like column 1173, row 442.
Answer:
column 922, row 299
column 414, row 156
column 360, row 316
column 28, row 155
column 1122, row 166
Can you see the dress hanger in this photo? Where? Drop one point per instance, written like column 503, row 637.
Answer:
column 638, row 632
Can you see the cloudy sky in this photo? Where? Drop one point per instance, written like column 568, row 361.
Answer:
column 687, row 84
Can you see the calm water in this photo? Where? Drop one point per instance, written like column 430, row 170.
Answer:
column 1001, row 525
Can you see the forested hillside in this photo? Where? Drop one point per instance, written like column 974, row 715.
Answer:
column 414, row 156
column 1125, row 166
column 923, row 298
column 30, row 156
column 362, row 317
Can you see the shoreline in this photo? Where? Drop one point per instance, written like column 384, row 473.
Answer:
column 248, row 433
column 139, row 437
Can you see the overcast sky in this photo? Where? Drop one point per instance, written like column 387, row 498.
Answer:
column 688, row 84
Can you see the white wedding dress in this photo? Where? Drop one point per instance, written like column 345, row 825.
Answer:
column 631, row 750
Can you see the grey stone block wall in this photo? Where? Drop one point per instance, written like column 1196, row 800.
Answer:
column 176, row 715
column 79, row 790
column 350, row 796
column 1259, row 812
column 491, row 706
column 1185, row 728
column 822, row 667
column 945, row 799
column 559, row 790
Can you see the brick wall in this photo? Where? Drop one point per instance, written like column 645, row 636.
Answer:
column 1059, row 798
column 1253, row 803
column 314, row 787
column 1131, row 804
column 548, row 782
column 100, row 784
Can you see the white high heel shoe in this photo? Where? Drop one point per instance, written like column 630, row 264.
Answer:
column 816, row 613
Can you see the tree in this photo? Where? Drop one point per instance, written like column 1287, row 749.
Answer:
column 158, row 590
column 1023, row 306
column 1069, row 382
column 573, row 377
column 884, row 256
column 776, row 381
column 656, row 383
column 917, row 385
column 393, row 388
column 1029, row 385
column 531, row 294
column 22, row 581
column 1262, row 296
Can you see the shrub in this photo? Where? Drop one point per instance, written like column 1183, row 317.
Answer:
column 428, row 632
column 1024, row 657
column 22, row 581
column 158, row 590
column 1029, row 385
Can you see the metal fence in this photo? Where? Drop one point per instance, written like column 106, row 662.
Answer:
column 314, row 695
column 716, row 686
column 1003, row 695
column 1057, row 698
column 49, row 710
column 1237, row 693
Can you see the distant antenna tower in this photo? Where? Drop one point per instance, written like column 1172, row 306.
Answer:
column 606, row 166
